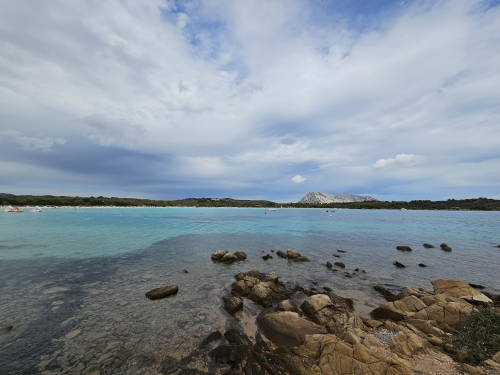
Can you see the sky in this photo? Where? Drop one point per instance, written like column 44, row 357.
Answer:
column 261, row 99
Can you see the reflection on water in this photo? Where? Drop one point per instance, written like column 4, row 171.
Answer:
column 59, row 314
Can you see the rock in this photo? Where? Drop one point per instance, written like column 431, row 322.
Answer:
column 336, row 256
column 460, row 289
column 398, row 264
column 399, row 309
column 341, row 251
column 296, row 256
column 386, row 293
column 162, row 292
column 287, row 328
column 404, row 248
column 287, row 305
column 428, row 246
column 217, row 255
column 265, row 293
column 241, row 255
column 328, row 354
column 281, row 254
column 273, row 278
column 267, row 256
column 422, row 265
column 329, row 265
column 493, row 364
column 407, row 343
column 472, row 370
column 229, row 258
column 185, row 271
column 445, row 247
column 339, row 264
column 233, row 304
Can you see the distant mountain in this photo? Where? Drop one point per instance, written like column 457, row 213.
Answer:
column 320, row 198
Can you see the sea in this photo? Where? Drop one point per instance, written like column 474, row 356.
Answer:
column 72, row 281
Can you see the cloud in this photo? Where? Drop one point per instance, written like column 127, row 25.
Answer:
column 298, row 179
column 29, row 143
column 219, row 106
column 400, row 160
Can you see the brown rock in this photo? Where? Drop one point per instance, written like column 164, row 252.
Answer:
column 217, row 255
column 233, row 304
column 386, row 293
column 229, row 258
column 403, row 248
column 374, row 323
column 340, row 264
column 287, row 328
column 445, row 247
column 329, row 265
column 406, row 343
column 460, row 289
column 428, row 245
column 281, row 254
column 162, row 292
column 241, row 255
column 287, row 305
column 398, row 264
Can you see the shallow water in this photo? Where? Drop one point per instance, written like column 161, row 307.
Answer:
column 72, row 282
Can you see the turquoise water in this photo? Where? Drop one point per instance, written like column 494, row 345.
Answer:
column 72, row 281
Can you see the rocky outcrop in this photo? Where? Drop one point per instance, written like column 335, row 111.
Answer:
column 162, row 292
column 260, row 288
column 460, row 289
column 225, row 256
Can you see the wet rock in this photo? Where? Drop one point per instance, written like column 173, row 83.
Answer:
column 398, row 264
column 477, row 286
column 336, row 256
column 287, row 328
column 229, row 258
column 422, row 265
column 267, row 256
column 185, row 271
column 73, row 334
column 281, row 254
column 329, row 265
column 339, row 264
column 163, row 292
column 428, row 245
column 217, row 255
column 241, row 255
column 265, row 293
column 445, row 247
column 404, row 248
column 341, row 251
column 296, row 256
column 325, row 288
column 386, row 293
column 460, row 289
column 233, row 304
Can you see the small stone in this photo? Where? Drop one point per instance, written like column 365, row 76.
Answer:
column 445, row 247
column 329, row 265
column 185, row 271
column 341, row 251
column 340, row 264
column 398, row 264
column 163, row 292
column 428, row 245
column 403, row 248
column 267, row 256
column 422, row 265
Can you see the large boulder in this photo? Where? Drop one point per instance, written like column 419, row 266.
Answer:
column 287, row 328
column 329, row 355
column 265, row 293
column 162, row 292
column 460, row 289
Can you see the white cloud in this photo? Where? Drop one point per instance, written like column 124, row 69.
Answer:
column 400, row 160
column 298, row 179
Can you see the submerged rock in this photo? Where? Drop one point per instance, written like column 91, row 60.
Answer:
column 341, row 251
column 267, row 256
column 218, row 254
column 422, row 265
column 386, row 293
column 445, row 247
column 225, row 256
column 329, row 265
column 162, row 292
column 428, row 245
column 398, row 264
column 241, row 255
column 404, row 248
column 339, row 264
